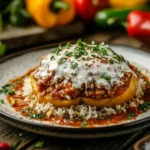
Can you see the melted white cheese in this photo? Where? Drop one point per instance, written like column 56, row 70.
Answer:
column 86, row 70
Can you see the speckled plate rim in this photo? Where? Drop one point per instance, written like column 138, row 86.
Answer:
column 106, row 131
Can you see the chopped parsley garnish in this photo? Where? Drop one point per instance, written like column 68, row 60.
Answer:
column 93, row 43
column 88, row 58
column 36, row 116
column 74, row 65
column 111, row 61
column 52, row 57
column 108, row 78
column 95, row 56
column 7, row 89
column 84, row 123
column 119, row 58
column 145, row 106
column 131, row 115
column 68, row 45
column 68, row 53
column 39, row 144
column 1, row 101
column 80, row 43
column 77, row 54
column 103, row 51
column 79, row 51
column 86, row 64
column 58, row 50
column 62, row 60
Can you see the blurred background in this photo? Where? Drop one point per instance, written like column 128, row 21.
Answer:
column 28, row 23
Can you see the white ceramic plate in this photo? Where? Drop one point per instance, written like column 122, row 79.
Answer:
column 20, row 64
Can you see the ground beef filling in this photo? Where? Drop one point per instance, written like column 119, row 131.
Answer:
column 63, row 91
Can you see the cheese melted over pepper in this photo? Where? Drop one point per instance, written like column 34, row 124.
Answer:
column 82, row 63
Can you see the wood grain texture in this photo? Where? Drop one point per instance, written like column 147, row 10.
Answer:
column 28, row 140
column 19, row 38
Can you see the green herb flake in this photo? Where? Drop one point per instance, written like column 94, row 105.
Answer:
column 62, row 60
column 68, row 53
column 36, row 116
column 119, row 58
column 83, row 124
column 77, row 54
column 144, row 107
column 103, row 51
column 131, row 115
column 86, row 64
column 88, row 58
column 108, row 78
column 111, row 61
column 68, row 45
column 52, row 57
column 1, row 101
column 80, row 43
column 74, row 65
column 39, row 144
column 7, row 89
column 93, row 43
column 58, row 50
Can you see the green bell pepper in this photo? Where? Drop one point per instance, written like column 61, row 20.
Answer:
column 113, row 17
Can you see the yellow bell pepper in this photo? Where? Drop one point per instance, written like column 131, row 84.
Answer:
column 107, row 102
column 118, row 100
column 50, row 13
column 126, row 3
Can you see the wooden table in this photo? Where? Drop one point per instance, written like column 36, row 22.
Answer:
column 125, row 142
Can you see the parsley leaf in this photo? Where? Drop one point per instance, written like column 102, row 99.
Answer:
column 58, row 50
column 39, row 144
column 68, row 45
column 108, row 78
column 84, row 123
column 52, row 57
column 145, row 106
column 74, row 65
column 131, row 115
column 62, row 60
column 68, row 53
column 1, row 101
column 36, row 116
column 7, row 89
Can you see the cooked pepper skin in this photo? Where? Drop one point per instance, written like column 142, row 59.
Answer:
column 86, row 9
column 107, row 102
column 43, row 15
column 113, row 17
column 139, row 25
column 126, row 3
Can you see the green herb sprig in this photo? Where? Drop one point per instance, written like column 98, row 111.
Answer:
column 108, row 78
column 74, row 65
column 131, row 115
column 62, row 60
column 144, row 107
column 36, row 116
column 83, row 124
column 1, row 101
column 68, row 45
column 7, row 89
column 39, row 144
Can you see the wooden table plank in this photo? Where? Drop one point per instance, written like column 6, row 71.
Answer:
column 20, row 38
column 12, row 135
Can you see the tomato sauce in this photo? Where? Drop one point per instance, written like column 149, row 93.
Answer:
column 22, row 105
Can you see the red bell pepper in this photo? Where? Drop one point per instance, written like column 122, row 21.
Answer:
column 5, row 146
column 86, row 9
column 139, row 25
column 8, row 146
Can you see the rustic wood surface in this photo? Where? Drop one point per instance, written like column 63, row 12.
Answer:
column 125, row 142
